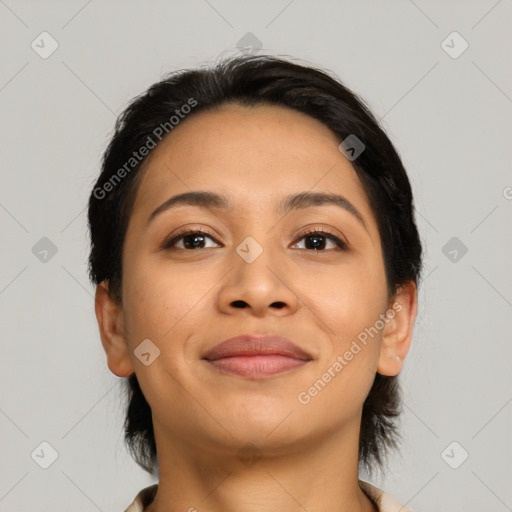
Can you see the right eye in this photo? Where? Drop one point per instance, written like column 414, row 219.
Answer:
column 192, row 239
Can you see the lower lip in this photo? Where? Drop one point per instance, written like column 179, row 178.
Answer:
column 257, row 366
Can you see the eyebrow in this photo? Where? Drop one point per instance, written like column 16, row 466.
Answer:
column 293, row 202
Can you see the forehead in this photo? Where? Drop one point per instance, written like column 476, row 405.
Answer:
column 254, row 154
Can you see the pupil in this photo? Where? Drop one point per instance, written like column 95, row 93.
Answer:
column 194, row 238
column 317, row 238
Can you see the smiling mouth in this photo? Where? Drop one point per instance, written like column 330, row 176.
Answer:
column 257, row 366
column 256, row 356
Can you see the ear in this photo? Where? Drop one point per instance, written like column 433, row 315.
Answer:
column 397, row 332
column 110, row 316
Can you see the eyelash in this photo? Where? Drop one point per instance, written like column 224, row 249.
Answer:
column 316, row 231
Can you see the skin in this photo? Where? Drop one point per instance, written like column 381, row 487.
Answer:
column 185, row 301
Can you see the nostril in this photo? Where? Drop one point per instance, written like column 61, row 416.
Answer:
column 243, row 304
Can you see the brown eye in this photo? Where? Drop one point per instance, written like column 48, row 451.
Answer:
column 317, row 240
column 192, row 239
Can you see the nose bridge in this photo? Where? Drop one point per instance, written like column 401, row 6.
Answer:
column 250, row 250
column 257, row 240
column 256, row 261
column 256, row 279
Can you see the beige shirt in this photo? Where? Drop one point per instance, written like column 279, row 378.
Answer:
column 384, row 502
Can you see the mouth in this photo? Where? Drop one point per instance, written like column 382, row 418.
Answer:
column 253, row 356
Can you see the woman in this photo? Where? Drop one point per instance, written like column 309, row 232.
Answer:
column 256, row 261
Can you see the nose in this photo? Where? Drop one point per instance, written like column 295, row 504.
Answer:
column 260, row 287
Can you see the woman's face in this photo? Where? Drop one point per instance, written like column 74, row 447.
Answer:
column 252, row 271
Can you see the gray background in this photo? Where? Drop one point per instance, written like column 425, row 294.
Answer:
column 450, row 119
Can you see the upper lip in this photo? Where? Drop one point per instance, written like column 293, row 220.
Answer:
column 253, row 345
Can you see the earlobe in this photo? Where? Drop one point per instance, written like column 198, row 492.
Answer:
column 397, row 333
column 110, row 317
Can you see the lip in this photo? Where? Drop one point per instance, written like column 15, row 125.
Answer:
column 256, row 356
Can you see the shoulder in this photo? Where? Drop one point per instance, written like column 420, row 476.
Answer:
column 384, row 501
column 143, row 499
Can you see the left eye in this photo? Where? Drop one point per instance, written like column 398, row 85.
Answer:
column 316, row 237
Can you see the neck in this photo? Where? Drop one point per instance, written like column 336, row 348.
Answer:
column 313, row 476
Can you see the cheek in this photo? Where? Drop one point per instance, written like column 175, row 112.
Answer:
column 172, row 306
column 348, row 297
column 156, row 300
column 347, row 305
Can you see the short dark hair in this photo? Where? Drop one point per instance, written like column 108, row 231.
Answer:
column 250, row 81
